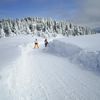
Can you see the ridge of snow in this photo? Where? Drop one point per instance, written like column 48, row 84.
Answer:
column 87, row 59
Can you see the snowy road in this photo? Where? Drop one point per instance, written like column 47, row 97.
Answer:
column 42, row 76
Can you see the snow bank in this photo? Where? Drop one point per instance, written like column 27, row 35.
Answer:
column 61, row 48
column 77, row 55
column 90, row 60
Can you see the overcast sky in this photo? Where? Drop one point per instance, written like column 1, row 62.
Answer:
column 86, row 12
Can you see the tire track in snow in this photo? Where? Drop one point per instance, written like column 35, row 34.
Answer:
column 81, row 84
column 19, row 82
column 20, row 78
column 66, row 94
column 78, row 84
column 59, row 81
column 24, row 80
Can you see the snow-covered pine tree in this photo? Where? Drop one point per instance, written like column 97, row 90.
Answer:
column 40, row 26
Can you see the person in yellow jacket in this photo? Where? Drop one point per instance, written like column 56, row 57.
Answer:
column 36, row 44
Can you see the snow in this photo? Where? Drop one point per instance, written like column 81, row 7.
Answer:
column 52, row 73
column 76, row 50
column 87, row 42
column 61, row 48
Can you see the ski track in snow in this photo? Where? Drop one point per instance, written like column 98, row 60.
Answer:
column 39, row 76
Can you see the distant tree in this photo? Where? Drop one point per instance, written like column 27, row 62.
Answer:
column 75, row 32
column 44, row 29
column 86, row 31
column 70, row 26
column 66, row 28
column 38, row 27
column 31, row 27
column 6, row 30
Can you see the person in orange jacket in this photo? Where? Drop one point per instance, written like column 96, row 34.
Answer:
column 36, row 44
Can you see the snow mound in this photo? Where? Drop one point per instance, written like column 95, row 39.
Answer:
column 77, row 55
column 90, row 60
column 63, row 49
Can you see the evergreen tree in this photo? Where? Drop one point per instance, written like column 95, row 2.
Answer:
column 44, row 26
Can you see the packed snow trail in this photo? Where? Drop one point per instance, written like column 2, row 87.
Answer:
column 42, row 76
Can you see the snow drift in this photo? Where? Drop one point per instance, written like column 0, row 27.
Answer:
column 87, row 59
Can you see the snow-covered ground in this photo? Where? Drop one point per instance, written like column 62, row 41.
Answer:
column 52, row 73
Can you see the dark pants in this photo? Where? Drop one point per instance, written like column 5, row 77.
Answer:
column 46, row 44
